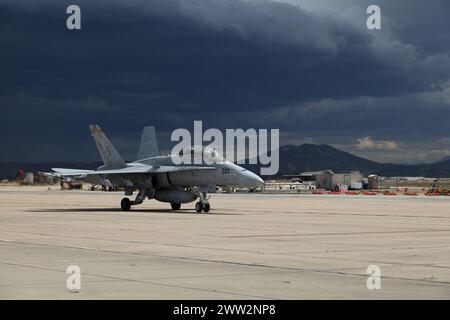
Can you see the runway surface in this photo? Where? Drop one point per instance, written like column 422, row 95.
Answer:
column 252, row 246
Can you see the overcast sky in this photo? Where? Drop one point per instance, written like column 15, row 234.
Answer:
column 310, row 68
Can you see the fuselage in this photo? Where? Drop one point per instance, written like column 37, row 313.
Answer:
column 223, row 173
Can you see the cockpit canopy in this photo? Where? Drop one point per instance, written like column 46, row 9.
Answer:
column 202, row 154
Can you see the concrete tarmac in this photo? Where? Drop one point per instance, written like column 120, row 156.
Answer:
column 251, row 246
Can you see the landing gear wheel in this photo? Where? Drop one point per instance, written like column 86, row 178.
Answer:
column 175, row 206
column 206, row 207
column 199, row 207
column 125, row 204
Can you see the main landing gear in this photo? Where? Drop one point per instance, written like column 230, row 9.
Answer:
column 126, row 203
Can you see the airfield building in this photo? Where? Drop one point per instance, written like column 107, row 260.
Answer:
column 329, row 180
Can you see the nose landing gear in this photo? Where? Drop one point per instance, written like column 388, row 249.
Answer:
column 205, row 207
column 202, row 204
column 199, row 207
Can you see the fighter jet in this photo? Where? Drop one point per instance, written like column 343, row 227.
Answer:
column 158, row 177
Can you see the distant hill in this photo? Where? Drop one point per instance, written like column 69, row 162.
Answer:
column 311, row 157
column 293, row 160
column 444, row 159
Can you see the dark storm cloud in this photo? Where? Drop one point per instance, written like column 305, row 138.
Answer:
column 168, row 62
column 255, row 54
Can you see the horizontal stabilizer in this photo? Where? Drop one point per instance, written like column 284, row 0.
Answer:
column 72, row 172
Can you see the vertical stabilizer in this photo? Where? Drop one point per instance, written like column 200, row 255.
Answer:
column 149, row 144
column 108, row 152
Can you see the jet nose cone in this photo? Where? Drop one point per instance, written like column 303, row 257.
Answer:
column 254, row 180
column 258, row 181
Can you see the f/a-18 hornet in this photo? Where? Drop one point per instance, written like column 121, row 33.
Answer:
column 158, row 177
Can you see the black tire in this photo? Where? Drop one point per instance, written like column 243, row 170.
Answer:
column 125, row 204
column 199, row 207
column 206, row 207
column 175, row 206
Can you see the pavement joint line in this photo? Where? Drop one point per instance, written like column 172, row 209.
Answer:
column 337, row 233
column 303, row 254
column 183, row 246
column 162, row 210
column 141, row 281
column 264, row 266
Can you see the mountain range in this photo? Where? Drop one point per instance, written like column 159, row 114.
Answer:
column 444, row 159
column 293, row 160
column 311, row 157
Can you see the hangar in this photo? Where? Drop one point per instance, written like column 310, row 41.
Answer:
column 329, row 180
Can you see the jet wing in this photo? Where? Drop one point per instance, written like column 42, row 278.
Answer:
column 150, row 169
column 129, row 170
